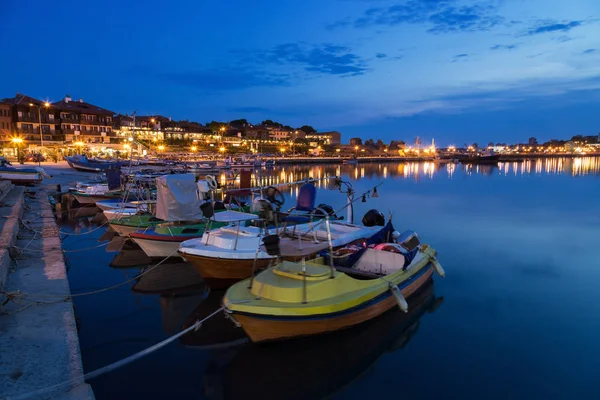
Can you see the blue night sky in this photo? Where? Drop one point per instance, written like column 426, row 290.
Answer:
column 457, row 71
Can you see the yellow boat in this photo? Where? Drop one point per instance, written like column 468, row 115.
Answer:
column 307, row 298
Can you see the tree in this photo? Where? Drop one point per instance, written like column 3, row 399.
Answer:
column 369, row 143
column 239, row 123
column 215, row 126
column 269, row 122
column 380, row 144
column 308, row 129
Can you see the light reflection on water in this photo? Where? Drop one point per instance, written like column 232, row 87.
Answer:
column 519, row 245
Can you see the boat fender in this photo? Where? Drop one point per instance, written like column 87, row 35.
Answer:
column 400, row 300
column 391, row 247
column 438, row 267
column 212, row 182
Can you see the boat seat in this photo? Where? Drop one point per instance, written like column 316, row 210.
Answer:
column 314, row 272
column 380, row 262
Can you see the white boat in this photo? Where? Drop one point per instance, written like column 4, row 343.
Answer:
column 119, row 213
column 232, row 252
column 21, row 175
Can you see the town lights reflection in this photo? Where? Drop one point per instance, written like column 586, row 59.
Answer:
column 414, row 170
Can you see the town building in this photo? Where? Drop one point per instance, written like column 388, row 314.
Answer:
column 84, row 122
column 27, row 114
column 332, row 137
column 6, row 122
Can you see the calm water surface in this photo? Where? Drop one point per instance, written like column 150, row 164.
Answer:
column 516, row 317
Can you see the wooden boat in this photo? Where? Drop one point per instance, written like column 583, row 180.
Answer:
column 125, row 225
column 229, row 254
column 23, row 176
column 268, row 372
column 164, row 239
column 82, row 163
column 308, row 298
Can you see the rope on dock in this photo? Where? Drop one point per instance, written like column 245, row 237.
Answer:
column 118, row 364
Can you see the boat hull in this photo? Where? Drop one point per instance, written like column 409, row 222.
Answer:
column 269, row 328
column 222, row 272
column 123, row 230
column 21, row 177
column 157, row 248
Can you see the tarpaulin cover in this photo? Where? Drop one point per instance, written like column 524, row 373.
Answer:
column 176, row 198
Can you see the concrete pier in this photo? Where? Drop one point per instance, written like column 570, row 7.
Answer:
column 38, row 334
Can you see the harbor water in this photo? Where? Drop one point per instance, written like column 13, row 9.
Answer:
column 515, row 318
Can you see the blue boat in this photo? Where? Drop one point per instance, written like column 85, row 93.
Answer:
column 23, row 176
column 82, row 163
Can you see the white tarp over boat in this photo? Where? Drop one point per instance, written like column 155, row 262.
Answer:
column 176, row 198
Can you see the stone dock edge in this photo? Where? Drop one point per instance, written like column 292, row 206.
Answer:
column 40, row 344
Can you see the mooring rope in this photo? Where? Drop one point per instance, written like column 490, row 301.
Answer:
column 117, row 364
column 17, row 296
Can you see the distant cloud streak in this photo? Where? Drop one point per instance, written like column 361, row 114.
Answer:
column 589, row 51
column 324, row 58
column 505, row 46
column 548, row 26
column 442, row 15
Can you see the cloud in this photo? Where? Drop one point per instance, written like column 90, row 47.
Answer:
column 562, row 39
column 442, row 15
column 505, row 46
column 250, row 110
column 225, row 79
column 464, row 19
column 589, row 51
column 547, row 26
column 381, row 55
column 324, row 58
column 459, row 57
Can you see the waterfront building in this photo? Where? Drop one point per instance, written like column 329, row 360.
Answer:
column 332, row 137
column 84, row 122
column 6, row 122
column 26, row 114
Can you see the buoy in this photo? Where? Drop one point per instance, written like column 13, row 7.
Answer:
column 438, row 267
column 402, row 304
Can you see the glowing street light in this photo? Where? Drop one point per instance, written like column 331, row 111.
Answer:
column 194, row 148
column 161, row 147
column 39, row 108
column 78, row 144
column 222, row 149
column 17, row 140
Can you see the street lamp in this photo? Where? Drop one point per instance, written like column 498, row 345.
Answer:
column 39, row 109
column 161, row 147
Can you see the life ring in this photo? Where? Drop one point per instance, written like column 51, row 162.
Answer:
column 212, row 182
column 391, row 247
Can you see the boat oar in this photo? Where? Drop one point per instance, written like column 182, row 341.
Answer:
column 400, row 300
